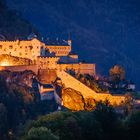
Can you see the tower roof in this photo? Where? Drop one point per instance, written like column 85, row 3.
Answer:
column 56, row 42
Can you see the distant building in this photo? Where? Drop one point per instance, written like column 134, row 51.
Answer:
column 46, row 92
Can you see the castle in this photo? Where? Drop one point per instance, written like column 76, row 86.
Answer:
column 51, row 59
column 45, row 55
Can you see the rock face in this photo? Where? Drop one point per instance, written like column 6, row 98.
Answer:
column 8, row 60
column 23, row 78
column 73, row 99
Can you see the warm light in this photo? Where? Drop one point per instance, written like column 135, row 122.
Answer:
column 5, row 63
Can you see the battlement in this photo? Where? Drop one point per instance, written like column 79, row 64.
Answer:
column 44, row 57
column 47, row 55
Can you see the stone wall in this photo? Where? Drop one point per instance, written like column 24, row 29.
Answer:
column 47, row 62
column 79, row 68
column 59, row 50
column 33, row 68
column 46, row 76
column 52, row 64
column 25, row 48
column 8, row 60
column 71, row 82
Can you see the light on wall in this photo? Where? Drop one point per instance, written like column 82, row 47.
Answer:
column 5, row 63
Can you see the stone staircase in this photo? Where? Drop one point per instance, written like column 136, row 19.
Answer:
column 71, row 82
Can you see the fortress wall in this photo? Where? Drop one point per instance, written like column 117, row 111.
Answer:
column 34, row 68
column 47, row 76
column 47, row 62
column 71, row 82
column 25, row 49
column 79, row 68
column 59, row 50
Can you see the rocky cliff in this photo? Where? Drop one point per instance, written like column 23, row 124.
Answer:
column 8, row 60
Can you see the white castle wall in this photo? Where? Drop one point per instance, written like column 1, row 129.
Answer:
column 25, row 49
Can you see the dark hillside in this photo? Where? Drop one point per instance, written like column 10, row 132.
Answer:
column 12, row 25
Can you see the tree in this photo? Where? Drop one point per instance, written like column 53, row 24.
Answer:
column 132, row 124
column 108, row 120
column 63, row 124
column 3, row 121
column 128, row 103
column 117, row 74
column 40, row 133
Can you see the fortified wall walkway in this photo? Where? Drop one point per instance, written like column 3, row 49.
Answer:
column 71, row 82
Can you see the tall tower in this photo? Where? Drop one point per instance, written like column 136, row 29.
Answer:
column 69, row 40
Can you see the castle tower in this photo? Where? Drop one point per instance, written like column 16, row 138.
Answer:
column 69, row 40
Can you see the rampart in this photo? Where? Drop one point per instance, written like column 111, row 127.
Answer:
column 78, row 68
column 71, row 82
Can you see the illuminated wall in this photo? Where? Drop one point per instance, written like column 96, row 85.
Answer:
column 78, row 68
column 47, row 62
column 33, row 68
column 32, row 48
column 25, row 49
column 71, row 82
column 59, row 50
column 36, row 51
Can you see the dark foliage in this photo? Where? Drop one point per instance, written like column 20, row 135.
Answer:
column 18, row 105
column 101, row 124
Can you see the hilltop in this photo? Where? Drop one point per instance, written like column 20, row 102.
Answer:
column 13, row 25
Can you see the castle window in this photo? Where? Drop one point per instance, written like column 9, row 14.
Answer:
column 20, row 47
column 31, row 47
column 10, row 47
column 0, row 46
